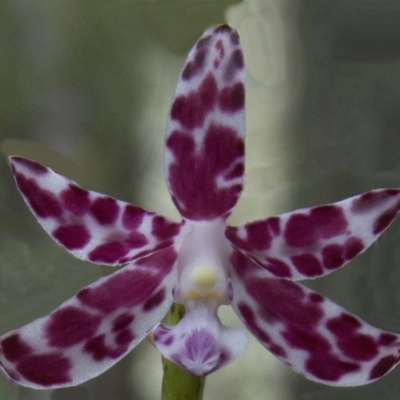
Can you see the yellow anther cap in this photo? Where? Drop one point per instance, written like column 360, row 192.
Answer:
column 204, row 277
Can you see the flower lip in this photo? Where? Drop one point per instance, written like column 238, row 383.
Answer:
column 200, row 343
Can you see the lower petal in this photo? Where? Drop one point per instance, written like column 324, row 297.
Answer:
column 90, row 332
column 311, row 334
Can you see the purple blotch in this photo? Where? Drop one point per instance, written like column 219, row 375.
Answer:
column 307, row 264
column 71, row 325
column 72, row 236
column 75, row 199
column 15, row 348
column 105, row 210
column 45, row 369
column 123, row 289
column 43, row 202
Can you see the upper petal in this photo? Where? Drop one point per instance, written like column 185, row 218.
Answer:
column 308, row 332
column 206, row 127
column 89, row 333
column 200, row 343
column 315, row 241
column 90, row 225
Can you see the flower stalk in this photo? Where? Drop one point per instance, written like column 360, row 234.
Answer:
column 177, row 383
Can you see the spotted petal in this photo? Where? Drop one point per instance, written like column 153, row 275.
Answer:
column 314, row 336
column 89, row 333
column 200, row 343
column 315, row 241
column 206, row 128
column 91, row 226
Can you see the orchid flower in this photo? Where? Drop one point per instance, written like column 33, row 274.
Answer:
column 201, row 262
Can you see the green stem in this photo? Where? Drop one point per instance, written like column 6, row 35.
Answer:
column 179, row 384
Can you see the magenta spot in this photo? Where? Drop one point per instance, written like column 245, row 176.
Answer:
column 237, row 172
column 295, row 309
column 124, row 338
column 353, row 247
column 125, row 288
column 326, row 366
column 192, row 177
column 192, row 68
column 278, row 268
column 343, row 326
column 359, row 347
column 154, row 301
column 329, row 221
column 70, row 325
column 132, row 217
column 220, row 48
column 234, row 64
column 321, row 223
column 387, row 339
column 99, row 350
column 299, row 232
column 43, row 202
column 122, row 321
column 277, row 350
column 45, row 369
column 307, row 264
column 382, row 367
column 72, row 236
column 258, row 236
column 370, row 200
column 224, row 28
column 192, row 109
column 234, row 37
column 160, row 261
column 332, row 256
column 14, row 348
column 306, row 339
column 231, row 99
column 75, row 199
column 168, row 341
column 203, row 42
column 108, row 253
column 136, row 240
column 240, row 263
column 161, row 228
column 384, row 220
column 316, row 298
column 250, row 321
column 160, row 246
column 105, row 210
column 33, row 166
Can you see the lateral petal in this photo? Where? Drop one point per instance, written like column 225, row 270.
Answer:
column 91, row 226
column 314, row 336
column 206, row 128
column 316, row 241
column 90, row 332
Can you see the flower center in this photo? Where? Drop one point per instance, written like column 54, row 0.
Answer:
column 203, row 279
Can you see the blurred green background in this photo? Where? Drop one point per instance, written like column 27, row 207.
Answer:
column 85, row 88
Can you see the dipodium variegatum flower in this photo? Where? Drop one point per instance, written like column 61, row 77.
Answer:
column 201, row 262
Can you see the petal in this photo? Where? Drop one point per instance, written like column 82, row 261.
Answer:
column 315, row 241
column 91, row 226
column 205, row 132
column 200, row 343
column 308, row 332
column 89, row 333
